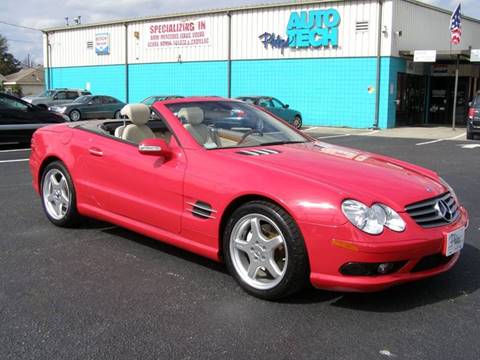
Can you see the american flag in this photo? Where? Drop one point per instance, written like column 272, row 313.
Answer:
column 456, row 26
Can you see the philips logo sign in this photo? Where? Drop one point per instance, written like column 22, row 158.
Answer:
column 305, row 29
column 313, row 29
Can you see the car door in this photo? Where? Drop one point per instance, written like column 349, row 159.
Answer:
column 279, row 109
column 60, row 98
column 93, row 109
column 17, row 120
column 116, row 178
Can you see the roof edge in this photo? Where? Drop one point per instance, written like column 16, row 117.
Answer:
column 232, row 10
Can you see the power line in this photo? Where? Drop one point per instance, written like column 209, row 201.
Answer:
column 19, row 26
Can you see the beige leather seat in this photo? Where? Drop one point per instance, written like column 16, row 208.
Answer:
column 139, row 114
column 193, row 116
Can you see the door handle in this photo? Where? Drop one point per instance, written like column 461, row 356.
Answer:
column 95, row 151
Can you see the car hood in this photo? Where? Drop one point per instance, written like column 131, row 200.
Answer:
column 352, row 173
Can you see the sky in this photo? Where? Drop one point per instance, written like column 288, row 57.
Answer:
column 42, row 14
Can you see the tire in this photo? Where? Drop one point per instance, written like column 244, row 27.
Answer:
column 297, row 122
column 58, row 197
column 116, row 115
column 280, row 241
column 75, row 115
column 469, row 136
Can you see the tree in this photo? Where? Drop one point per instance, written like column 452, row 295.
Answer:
column 8, row 63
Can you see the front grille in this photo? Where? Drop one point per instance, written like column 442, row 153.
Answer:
column 437, row 211
column 431, row 262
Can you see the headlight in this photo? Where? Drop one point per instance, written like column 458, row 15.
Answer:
column 447, row 185
column 59, row 109
column 372, row 219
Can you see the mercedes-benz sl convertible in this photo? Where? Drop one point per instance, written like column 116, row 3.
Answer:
column 229, row 181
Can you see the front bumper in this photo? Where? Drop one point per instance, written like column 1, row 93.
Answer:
column 331, row 247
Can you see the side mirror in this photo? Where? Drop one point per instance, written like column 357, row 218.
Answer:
column 286, row 106
column 156, row 147
column 90, row 103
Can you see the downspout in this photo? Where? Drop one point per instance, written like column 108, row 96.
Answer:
column 379, row 59
column 126, row 63
column 229, row 56
column 48, row 51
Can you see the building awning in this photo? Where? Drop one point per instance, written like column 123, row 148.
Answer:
column 444, row 55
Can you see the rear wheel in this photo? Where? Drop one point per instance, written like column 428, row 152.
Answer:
column 297, row 121
column 75, row 115
column 58, row 195
column 264, row 251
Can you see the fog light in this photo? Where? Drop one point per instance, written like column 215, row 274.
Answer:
column 385, row 268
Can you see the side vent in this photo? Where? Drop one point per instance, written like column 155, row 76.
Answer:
column 361, row 26
column 202, row 210
column 89, row 44
column 258, row 152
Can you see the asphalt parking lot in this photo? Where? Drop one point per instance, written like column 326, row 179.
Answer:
column 102, row 292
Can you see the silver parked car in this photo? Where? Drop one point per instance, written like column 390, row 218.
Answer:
column 55, row 97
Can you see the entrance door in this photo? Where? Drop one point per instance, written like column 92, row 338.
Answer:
column 441, row 100
column 410, row 99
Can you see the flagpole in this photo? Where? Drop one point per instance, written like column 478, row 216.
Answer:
column 455, row 93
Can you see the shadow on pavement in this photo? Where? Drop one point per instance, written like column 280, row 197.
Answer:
column 456, row 283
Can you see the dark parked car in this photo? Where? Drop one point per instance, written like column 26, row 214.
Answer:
column 19, row 119
column 151, row 99
column 91, row 107
column 276, row 107
column 473, row 121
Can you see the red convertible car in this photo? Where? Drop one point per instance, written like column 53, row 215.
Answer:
column 226, row 180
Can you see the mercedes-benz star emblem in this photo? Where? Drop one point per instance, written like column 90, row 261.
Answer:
column 444, row 210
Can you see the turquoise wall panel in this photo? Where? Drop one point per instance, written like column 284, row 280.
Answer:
column 103, row 80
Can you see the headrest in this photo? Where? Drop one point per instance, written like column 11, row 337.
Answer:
column 192, row 115
column 139, row 114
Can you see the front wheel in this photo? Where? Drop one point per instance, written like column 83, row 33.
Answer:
column 297, row 122
column 58, row 195
column 469, row 135
column 264, row 251
column 75, row 115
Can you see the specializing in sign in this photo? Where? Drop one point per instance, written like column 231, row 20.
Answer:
column 177, row 34
column 102, row 43
column 424, row 56
column 312, row 29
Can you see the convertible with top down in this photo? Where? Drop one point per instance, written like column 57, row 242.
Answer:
column 232, row 182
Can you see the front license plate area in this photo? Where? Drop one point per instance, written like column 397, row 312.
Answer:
column 454, row 241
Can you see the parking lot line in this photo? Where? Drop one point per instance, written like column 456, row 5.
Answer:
column 11, row 161
column 14, row 150
column 438, row 140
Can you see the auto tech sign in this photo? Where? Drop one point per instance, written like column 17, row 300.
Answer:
column 178, row 33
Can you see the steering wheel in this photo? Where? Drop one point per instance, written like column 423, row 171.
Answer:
column 248, row 133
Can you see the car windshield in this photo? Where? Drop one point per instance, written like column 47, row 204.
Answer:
column 82, row 99
column 227, row 124
column 47, row 93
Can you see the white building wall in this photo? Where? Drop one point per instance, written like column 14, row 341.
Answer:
column 424, row 28
column 69, row 47
column 247, row 26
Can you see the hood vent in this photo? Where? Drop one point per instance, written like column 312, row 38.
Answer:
column 258, row 152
